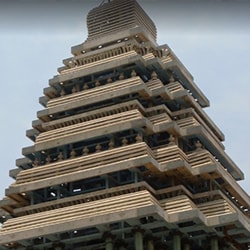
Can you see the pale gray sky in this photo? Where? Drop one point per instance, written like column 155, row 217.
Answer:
column 211, row 38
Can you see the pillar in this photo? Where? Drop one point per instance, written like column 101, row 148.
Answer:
column 214, row 243
column 150, row 243
column 186, row 246
column 138, row 236
column 109, row 244
column 176, row 241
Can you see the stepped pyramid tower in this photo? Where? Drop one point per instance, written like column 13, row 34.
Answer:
column 123, row 154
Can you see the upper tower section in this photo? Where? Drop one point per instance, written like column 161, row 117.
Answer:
column 114, row 21
column 115, row 16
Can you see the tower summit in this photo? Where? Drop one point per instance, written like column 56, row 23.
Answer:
column 115, row 21
column 118, row 16
column 123, row 155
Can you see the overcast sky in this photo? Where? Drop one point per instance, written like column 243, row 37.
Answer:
column 211, row 38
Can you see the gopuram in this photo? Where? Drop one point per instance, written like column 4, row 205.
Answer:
column 123, row 155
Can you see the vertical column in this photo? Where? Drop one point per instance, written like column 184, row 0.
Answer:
column 138, row 236
column 150, row 243
column 109, row 244
column 214, row 243
column 186, row 244
column 176, row 241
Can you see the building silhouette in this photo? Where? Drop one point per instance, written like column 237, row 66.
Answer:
column 123, row 154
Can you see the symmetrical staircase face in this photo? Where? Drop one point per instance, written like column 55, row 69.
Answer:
column 123, row 152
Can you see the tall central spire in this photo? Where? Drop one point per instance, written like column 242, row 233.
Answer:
column 104, row 1
column 113, row 16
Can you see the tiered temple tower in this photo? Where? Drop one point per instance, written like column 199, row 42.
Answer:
column 123, row 155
